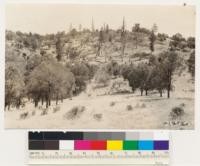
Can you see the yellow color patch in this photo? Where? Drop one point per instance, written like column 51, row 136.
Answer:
column 114, row 145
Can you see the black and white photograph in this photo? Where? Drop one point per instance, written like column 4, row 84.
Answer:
column 95, row 66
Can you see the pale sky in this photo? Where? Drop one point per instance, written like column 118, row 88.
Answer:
column 51, row 18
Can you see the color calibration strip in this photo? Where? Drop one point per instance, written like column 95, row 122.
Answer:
column 98, row 141
column 106, row 148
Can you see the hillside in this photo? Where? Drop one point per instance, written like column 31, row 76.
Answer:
column 98, row 78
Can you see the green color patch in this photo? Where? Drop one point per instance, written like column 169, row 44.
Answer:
column 130, row 145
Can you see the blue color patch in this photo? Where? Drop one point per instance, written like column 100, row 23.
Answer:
column 145, row 145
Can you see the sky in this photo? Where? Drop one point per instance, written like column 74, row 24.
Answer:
column 51, row 18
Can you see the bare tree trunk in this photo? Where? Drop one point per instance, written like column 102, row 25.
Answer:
column 57, row 100
column 141, row 90
column 42, row 100
column 169, row 85
column 123, row 49
column 136, row 42
column 160, row 93
column 49, row 101
column 46, row 99
column 168, row 93
column 47, row 105
column 98, row 51
column 18, row 102
column 146, row 92
column 49, row 96
column 36, row 102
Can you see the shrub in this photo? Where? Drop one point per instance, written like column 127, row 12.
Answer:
column 141, row 55
column 24, row 115
column 75, row 112
column 129, row 107
column 44, row 111
column 98, row 117
column 112, row 103
column 182, row 105
column 176, row 112
column 162, row 37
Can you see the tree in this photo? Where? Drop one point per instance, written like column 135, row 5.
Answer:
column 137, row 35
column 73, row 32
column 150, row 75
column 133, row 79
column 92, row 70
column 73, row 52
column 158, row 76
column 152, row 39
column 135, row 30
column 191, row 64
column 100, row 42
column 14, row 87
column 125, row 70
column 113, row 68
column 177, row 41
column 59, row 48
column 123, row 38
column 10, row 35
column 143, row 77
column 48, row 81
column 168, row 62
column 64, row 83
column 81, row 74
column 31, row 41
column 191, row 42
column 162, row 36
column 178, row 37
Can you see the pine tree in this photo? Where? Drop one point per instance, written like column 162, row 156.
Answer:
column 152, row 39
column 123, row 38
